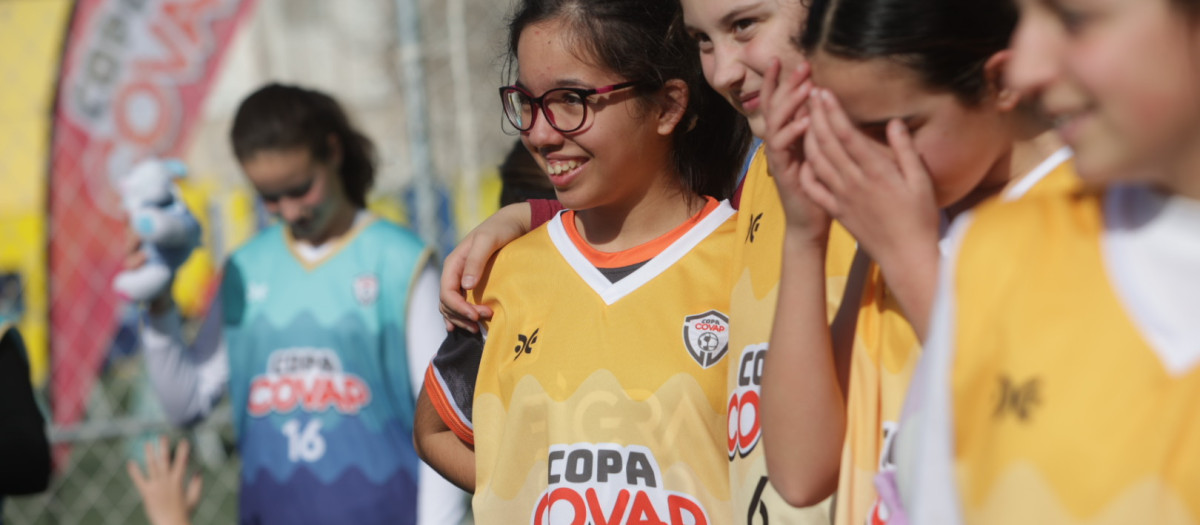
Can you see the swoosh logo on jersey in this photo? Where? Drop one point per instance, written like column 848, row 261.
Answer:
column 755, row 222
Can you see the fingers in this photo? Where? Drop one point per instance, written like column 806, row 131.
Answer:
column 153, row 467
column 461, row 272
column 793, row 133
column 793, row 101
column 135, row 260
column 452, row 267
column 455, row 309
column 478, row 255
column 817, row 192
column 179, row 462
column 134, row 257
column 911, row 165
column 821, row 168
column 861, row 149
column 133, row 243
column 871, row 157
column 786, row 101
column 163, row 452
column 135, row 473
column 456, row 312
column 482, row 311
column 770, row 83
column 837, row 168
column 791, row 109
column 195, row 487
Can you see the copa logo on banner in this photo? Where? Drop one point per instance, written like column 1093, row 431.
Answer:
column 134, row 77
column 134, row 80
column 612, row 484
column 311, row 379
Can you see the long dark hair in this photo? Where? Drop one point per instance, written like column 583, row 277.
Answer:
column 281, row 117
column 947, row 42
column 643, row 40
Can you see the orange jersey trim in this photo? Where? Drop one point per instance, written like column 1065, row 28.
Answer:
column 442, row 404
column 637, row 254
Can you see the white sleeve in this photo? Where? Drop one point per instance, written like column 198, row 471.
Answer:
column 424, row 326
column 925, row 475
column 188, row 381
column 438, row 501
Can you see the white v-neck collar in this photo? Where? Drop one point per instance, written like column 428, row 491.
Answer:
column 611, row 292
column 1151, row 248
column 310, row 254
column 1036, row 175
column 1016, row 191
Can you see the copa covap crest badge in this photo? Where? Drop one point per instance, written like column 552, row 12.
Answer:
column 706, row 337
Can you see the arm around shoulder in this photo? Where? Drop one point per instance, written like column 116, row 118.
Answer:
column 464, row 266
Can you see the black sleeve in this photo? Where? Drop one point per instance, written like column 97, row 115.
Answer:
column 453, row 371
column 24, row 450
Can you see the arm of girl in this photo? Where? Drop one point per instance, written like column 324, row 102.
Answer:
column 438, row 501
column 802, row 395
column 464, row 265
column 188, row 380
column 441, row 448
column 884, row 196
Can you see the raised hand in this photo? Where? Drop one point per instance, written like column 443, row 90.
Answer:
column 464, row 265
column 786, row 107
column 168, row 501
column 881, row 193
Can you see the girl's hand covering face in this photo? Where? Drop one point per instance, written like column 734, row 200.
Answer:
column 786, row 107
column 881, row 193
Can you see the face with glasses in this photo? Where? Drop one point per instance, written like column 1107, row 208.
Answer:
column 302, row 191
column 600, row 142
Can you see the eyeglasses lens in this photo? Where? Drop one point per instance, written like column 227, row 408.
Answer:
column 566, row 109
column 518, row 109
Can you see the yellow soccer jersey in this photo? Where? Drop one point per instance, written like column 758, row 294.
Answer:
column 601, row 402
column 756, row 269
column 884, row 357
column 1066, row 409
column 885, row 354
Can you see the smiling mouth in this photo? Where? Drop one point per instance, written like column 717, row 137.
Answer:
column 563, row 173
column 1068, row 123
column 559, row 168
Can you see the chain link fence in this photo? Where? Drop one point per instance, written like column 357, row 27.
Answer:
column 349, row 48
column 94, row 487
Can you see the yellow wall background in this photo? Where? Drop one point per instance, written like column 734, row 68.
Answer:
column 31, row 34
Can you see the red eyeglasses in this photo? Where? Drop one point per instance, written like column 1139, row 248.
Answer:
column 566, row 108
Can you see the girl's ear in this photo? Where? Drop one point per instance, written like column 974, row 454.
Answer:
column 993, row 73
column 335, row 151
column 673, row 105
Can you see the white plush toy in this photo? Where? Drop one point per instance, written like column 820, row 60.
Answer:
column 158, row 215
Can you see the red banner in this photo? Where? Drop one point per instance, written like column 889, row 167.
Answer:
column 134, row 77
